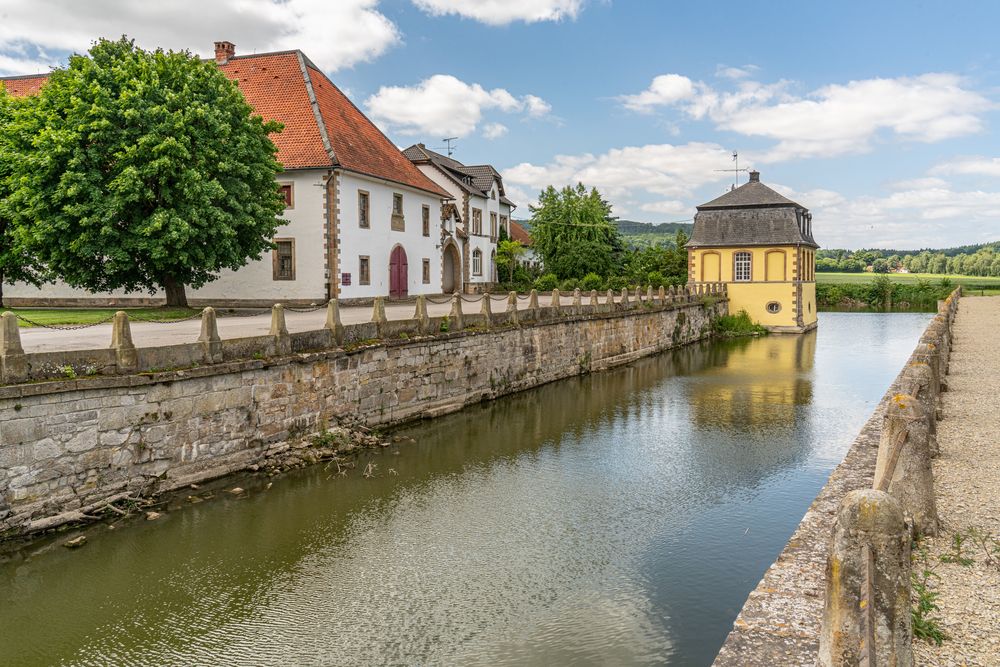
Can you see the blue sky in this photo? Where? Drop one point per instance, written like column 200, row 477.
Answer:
column 880, row 117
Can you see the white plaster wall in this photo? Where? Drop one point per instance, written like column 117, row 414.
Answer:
column 255, row 281
column 379, row 239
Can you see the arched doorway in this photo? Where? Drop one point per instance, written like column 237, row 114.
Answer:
column 398, row 277
column 452, row 278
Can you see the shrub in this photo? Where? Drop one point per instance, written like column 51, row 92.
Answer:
column 617, row 283
column 592, row 281
column 567, row 285
column 546, row 282
column 656, row 279
column 740, row 324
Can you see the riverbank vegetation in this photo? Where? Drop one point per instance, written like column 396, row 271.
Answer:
column 970, row 260
column 882, row 293
column 738, row 325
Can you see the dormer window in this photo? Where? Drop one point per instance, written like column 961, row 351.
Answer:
column 493, row 194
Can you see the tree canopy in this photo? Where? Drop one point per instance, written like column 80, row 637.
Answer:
column 136, row 170
column 573, row 232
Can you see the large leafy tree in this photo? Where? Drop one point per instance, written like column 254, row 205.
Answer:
column 574, row 232
column 15, row 263
column 138, row 170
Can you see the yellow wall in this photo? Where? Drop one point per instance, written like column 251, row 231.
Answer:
column 776, row 275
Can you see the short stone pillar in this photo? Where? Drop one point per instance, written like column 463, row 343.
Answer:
column 638, row 294
column 609, row 301
column 487, row 311
column 918, row 380
column 903, row 465
column 595, row 302
column 126, row 358
column 661, row 295
column 649, row 294
column 211, row 343
column 512, row 309
column 555, row 302
column 421, row 316
column 867, row 607
column 624, row 303
column 13, row 363
column 533, row 300
column 456, row 319
column 279, row 331
column 333, row 322
column 577, row 301
column 929, row 354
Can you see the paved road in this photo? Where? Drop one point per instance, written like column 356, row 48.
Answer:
column 147, row 334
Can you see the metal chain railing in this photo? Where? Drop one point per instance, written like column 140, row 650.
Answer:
column 136, row 318
column 311, row 309
column 64, row 327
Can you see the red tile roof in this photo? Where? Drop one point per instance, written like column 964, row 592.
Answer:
column 274, row 85
column 519, row 233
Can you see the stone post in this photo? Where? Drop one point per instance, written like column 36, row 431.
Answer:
column 13, row 363
column 533, row 300
column 928, row 353
column 661, row 295
column 624, row 304
column 121, row 342
column 918, row 380
column 649, row 294
column 282, row 341
column 595, row 302
column 610, row 301
column 333, row 322
column 867, row 606
column 903, row 465
column 512, row 309
column 638, row 294
column 555, row 303
column 421, row 316
column 577, row 301
column 211, row 343
column 456, row 319
column 487, row 311
column 378, row 315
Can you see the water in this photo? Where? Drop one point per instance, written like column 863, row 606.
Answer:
column 620, row 518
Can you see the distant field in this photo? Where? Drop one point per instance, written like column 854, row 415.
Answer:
column 973, row 284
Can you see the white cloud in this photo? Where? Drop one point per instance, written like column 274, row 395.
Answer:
column 668, row 207
column 444, row 105
column 494, row 130
column 333, row 34
column 971, row 166
column 504, row 12
column 832, row 120
column 724, row 72
column 918, row 183
column 654, row 170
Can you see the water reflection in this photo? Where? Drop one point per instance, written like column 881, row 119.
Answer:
column 619, row 518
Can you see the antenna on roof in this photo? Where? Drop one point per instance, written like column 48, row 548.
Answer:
column 736, row 170
column 448, row 146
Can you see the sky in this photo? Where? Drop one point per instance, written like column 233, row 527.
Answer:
column 881, row 117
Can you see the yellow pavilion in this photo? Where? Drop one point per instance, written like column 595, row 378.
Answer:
column 760, row 244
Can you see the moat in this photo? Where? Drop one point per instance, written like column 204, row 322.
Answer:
column 617, row 518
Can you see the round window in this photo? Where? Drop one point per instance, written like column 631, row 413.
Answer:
column 774, row 307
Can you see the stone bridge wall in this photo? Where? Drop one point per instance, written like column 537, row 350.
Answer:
column 71, row 444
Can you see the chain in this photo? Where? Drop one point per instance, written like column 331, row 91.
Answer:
column 436, row 301
column 311, row 309
column 65, row 327
column 153, row 320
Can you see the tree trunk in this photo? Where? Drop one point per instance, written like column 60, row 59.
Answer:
column 175, row 292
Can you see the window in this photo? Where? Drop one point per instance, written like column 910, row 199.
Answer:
column 364, row 274
column 364, row 210
column 477, row 262
column 741, row 266
column 477, row 221
column 773, row 307
column 493, row 226
column 283, row 259
column 503, row 225
column 427, row 220
column 427, row 271
column 493, row 194
column 286, row 192
column 397, row 213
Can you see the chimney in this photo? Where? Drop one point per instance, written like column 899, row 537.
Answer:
column 755, row 176
column 224, row 51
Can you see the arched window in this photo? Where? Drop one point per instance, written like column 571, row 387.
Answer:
column 477, row 262
column 741, row 266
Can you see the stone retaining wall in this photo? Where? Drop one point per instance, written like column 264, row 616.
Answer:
column 66, row 445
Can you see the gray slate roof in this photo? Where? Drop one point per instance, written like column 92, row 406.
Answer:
column 474, row 179
column 752, row 215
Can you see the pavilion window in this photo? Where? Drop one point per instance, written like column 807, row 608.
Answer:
column 741, row 267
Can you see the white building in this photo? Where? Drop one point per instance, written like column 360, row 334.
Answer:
column 471, row 227
column 363, row 220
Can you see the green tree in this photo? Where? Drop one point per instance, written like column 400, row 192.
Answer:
column 137, row 170
column 880, row 265
column 574, row 232
column 15, row 263
column 508, row 253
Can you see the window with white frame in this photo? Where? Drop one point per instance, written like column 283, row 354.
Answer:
column 741, row 267
column 477, row 262
column 477, row 221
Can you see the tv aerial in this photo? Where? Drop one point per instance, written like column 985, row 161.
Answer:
column 736, row 169
column 449, row 145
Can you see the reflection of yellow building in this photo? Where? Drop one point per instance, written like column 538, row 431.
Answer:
column 760, row 382
column 760, row 244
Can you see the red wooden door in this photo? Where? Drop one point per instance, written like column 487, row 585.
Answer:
column 398, row 277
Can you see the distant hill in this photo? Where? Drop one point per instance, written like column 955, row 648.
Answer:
column 646, row 232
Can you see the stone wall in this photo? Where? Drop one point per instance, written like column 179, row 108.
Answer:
column 76, row 444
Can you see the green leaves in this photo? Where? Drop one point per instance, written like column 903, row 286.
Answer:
column 573, row 231
column 132, row 169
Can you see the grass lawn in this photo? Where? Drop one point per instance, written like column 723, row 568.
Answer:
column 972, row 284
column 72, row 316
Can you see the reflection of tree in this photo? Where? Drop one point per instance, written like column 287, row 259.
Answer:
column 759, row 382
